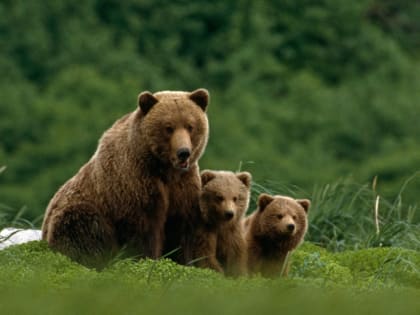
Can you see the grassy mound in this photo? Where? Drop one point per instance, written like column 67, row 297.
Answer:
column 319, row 281
column 370, row 268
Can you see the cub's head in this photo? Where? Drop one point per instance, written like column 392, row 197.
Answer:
column 281, row 217
column 224, row 196
column 174, row 125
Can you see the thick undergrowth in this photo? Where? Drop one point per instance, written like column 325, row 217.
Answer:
column 34, row 279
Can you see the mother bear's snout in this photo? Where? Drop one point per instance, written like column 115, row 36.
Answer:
column 183, row 154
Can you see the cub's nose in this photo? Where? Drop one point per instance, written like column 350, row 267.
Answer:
column 229, row 214
column 290, row 227
column 183, row 154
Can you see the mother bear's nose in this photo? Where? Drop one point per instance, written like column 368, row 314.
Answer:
column 183, row 154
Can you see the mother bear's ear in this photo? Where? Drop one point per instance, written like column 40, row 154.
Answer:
column 146, row 100
column 201, row 97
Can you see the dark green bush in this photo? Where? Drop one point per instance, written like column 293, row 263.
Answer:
column 303, row 93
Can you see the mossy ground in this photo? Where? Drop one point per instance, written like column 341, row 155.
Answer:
column 35, row 280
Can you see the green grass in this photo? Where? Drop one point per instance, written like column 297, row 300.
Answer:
column 342, row 215
column 346, row 266
column 13, row 217
column 35, row 280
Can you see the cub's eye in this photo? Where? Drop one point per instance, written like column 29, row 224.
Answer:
column 190, row 128
column 169, row 130
column 294, row 217
column 219, row 198
column 235, row 199
column 279, row 216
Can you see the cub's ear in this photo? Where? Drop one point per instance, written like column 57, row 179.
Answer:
column 264, row 200
column 206, row 176
column 200, row 97
column 305, row 203
column 245, row 178
column 146, row 100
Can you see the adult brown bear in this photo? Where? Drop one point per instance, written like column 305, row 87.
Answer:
column 143, row 172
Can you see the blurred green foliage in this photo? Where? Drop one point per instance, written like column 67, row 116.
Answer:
column 303, row 92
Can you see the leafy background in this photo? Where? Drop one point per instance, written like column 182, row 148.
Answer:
column 304, row 93
column 318, row 99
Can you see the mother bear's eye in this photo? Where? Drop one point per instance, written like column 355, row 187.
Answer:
column 169, row 129
column 279, row 216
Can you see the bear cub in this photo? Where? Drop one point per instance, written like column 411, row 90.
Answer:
column 223, row 202
column 274, row 230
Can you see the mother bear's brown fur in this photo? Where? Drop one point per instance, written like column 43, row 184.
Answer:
column 143, row 172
